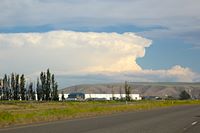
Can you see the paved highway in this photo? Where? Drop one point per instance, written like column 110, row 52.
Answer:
column 182, row 119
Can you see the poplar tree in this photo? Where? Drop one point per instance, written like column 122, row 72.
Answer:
column 13, row 86
column 48, row 85
column 9, row 88
column 5, row 88
column 127, row 91
column 22, row 87
column 30, row 92
column 38, row 91
column 54, row 89
column 17, row 92
column 1, row 89
column 43, row 79
column 63, row 96
column 56, row 97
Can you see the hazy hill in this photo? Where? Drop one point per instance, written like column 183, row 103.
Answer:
column 143, row 88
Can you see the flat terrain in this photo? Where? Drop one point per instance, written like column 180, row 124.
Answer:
column 179, row 119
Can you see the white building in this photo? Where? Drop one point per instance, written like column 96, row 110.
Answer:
column 110, row 96
column 106, row 96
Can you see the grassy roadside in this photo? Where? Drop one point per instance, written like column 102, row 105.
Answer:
column 19, row 113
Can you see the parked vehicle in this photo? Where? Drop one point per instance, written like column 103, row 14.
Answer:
column 76, row 96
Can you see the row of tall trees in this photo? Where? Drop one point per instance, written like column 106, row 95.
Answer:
column 15, row 87
column 47, row 88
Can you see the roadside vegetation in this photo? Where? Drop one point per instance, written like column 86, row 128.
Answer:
column 24, row 103
column 26, row 112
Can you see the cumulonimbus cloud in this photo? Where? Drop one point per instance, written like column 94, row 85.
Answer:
column 75, row 51
column 69, row 52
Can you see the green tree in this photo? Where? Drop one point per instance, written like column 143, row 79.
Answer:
column 13, row 84
column 1, row 89
column 48, row 85
column 43, row 81
column 5, row 88
column 16, row 94
column 56, row 97
column 184, row 95
column 38, row 90
column 127, row 91
column 63, row 96
column 9, row 89
column 30, row 92
column 54, row 89
column 22, row 87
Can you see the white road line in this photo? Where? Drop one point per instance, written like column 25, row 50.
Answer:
column 193, row 123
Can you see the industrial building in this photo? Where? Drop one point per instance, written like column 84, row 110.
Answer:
column 82, row 96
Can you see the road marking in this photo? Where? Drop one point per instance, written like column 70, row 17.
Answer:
column 193, row 123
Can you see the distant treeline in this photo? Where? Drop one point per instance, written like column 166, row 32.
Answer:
column 14, row 87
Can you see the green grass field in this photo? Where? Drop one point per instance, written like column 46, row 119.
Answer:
column 19, row 113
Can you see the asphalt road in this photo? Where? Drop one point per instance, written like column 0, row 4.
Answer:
column 182, row 119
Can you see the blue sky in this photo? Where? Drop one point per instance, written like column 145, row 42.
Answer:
column 167, row 34
column 165, row 53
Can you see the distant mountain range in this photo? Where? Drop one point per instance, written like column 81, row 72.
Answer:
column 161, row 89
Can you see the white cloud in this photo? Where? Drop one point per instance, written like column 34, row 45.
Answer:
column 176, row 73
column 73, row 51
column 182, row 74
column 111, row 55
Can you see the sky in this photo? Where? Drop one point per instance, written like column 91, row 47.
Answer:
column 100, row 41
